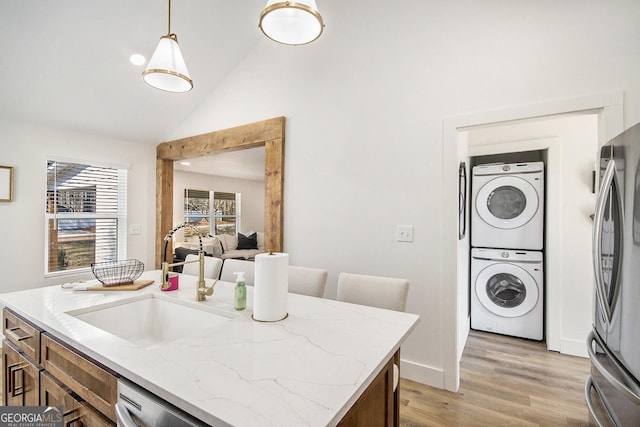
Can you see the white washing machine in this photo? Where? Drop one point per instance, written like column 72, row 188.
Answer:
column 507, row 292
column 508, row 206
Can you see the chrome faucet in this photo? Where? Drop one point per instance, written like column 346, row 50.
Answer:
column 202, row 290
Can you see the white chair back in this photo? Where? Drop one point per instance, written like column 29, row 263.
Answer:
column 231, row 266
column 375, row 291
column 307, row 281
column 212, row 266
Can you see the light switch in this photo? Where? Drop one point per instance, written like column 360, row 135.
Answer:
column 135, row 229
column 404, row 233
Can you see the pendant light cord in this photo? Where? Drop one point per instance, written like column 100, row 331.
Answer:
column 169, row 20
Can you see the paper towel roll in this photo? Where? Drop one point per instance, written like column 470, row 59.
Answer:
column 271, row 286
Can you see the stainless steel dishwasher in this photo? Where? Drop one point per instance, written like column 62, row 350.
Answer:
column 136, row 407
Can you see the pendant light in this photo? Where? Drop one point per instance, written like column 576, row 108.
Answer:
column 166, row 69
column 291, row 22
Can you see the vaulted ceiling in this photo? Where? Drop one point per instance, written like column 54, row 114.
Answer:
column 66, row 62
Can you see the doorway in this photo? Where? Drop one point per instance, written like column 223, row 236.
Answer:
column 608, row 110
column 568, row 143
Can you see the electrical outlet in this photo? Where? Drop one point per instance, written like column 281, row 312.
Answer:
column 404, row 233
column 135, row 229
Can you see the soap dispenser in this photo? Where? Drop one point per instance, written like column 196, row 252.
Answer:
column 240, row 301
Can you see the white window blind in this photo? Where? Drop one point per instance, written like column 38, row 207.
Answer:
column 85, row 215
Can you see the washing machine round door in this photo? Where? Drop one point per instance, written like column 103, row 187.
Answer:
column 507, row 202
column 506, row 290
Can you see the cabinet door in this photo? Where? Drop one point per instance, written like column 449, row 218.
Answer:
column 376, row 407
column 76, row 412
column 52, row 393
column 87, row 379
column 21, row 378
column 89, row 417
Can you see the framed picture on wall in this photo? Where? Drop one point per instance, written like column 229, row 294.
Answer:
column 6, row 183
column 462, row 200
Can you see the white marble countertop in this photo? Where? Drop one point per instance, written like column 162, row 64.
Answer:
column 305, row 370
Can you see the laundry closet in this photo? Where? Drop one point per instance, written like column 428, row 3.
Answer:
column 567, row 145
column 507, row 254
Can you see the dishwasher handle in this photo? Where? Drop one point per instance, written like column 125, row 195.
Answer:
column 123, row 418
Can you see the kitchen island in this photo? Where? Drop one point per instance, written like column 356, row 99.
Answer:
column 306, row 370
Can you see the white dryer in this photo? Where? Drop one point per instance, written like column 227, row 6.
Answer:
column 508, row 206
column 507, row 292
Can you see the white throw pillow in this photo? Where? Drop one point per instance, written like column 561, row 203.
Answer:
column 229, row 242
column 212, row 246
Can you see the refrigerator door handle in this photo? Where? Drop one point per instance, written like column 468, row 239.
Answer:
column 598, row 222
column 619, row 379
column 590, row 404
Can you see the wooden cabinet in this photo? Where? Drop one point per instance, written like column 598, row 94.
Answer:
column 39, row 370
column 84, row 377
column 378, row 404
column 76, row 412
column 21, row 377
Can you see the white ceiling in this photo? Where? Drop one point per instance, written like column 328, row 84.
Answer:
column 244, row 164
column 66, row 62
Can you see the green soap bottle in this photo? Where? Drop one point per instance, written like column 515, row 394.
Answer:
column 240, row 300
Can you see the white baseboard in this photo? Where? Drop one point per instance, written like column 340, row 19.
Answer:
column 573, row 347
column 421, row 373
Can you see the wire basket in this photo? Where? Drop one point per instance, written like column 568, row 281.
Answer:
column 112, row 273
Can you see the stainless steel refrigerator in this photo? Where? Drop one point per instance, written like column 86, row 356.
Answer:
column 613, row 389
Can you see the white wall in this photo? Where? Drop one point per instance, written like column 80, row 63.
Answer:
column 365, row 107
column 26, row 147
column 252, row 196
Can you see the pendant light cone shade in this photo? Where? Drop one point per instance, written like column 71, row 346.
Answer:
column 290, row 22
column 166, row 69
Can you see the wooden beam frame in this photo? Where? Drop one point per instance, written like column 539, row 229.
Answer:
column 268, row 133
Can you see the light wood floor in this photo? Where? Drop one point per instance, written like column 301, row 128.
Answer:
column 504, row 381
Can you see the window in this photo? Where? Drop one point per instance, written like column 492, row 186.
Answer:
column 197, row 211
column 85, row 215
column 226, row 212
column 223, row 219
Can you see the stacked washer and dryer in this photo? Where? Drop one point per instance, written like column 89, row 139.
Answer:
column 507, row 230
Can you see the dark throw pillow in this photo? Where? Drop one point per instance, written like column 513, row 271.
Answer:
column 247, row 242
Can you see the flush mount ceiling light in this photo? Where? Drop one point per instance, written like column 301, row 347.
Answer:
column 166, row 69
column 291, row 22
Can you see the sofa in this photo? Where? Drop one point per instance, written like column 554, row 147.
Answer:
column 225, row 246
column 241, row 245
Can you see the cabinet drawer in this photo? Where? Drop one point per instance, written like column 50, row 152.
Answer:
column 21, row 378
column 76, row 412
column 22, row 333
column 87, row 379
